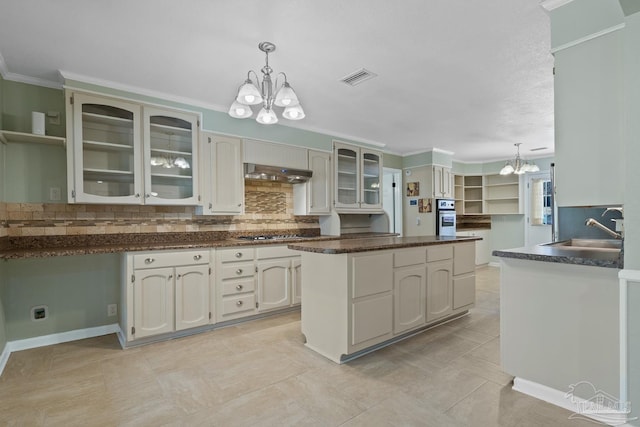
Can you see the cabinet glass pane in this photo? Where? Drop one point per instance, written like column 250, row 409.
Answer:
column 371, row 178
column 107, row 150
column 347, row 176
column 171, row 145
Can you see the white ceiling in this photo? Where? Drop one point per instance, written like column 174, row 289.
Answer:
column 472, row 77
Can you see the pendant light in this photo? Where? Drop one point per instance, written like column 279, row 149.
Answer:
column 268, row 94
column 518, row 166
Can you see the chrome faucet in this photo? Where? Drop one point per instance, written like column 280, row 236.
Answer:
column 593, row 223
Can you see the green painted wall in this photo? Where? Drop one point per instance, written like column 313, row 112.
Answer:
column 392, row 161
column 32, row 170
column 20, row 99
column 419, row 159
column 76, row 290
column 3, row 330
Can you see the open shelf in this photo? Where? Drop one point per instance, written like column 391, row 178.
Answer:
column 7, row 136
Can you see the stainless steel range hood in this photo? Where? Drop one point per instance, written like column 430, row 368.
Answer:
column 276, row 173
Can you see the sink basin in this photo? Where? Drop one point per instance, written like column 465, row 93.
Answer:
column 590, row 244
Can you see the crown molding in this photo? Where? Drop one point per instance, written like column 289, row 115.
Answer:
column 21, row 78
column 588, row 37
column 550, row 5
column 428, row 150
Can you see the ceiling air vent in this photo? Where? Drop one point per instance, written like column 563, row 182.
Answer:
column 538, row 149
column 357, row 77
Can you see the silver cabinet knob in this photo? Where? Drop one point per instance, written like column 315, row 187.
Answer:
column 147, row 195
column 170, row 276
column 239, row 287
column 239, row 303
column 179, row 276
column 239, row 204
column 149, row 260
column 238, row 254
column 239, row 271
column 138, row 195
column 197, row 257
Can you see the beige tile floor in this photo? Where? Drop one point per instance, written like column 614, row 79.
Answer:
column 260, row 374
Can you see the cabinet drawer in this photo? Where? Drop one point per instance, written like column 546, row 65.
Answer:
column 239, row 269
column 232, row 287
column 408, row 257
column 235, row 254
column 170, row 259
column 439, row 252
column 275, row 252
column 238, row 304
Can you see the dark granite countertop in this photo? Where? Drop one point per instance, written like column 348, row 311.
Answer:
column 344, row 246
column 51, row 246
column 558, row 254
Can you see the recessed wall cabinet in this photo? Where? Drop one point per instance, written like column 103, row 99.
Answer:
column 123, row 152
column 358, row 179
column 223, row 187
column 443, row 185
column 314, row 196
column 165, row 292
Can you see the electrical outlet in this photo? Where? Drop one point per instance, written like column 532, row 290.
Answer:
column 54, row 193
column 112, row 310
column 40, row 312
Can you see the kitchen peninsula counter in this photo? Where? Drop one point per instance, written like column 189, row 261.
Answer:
column 354, row 245
column 362, row 294
column 563, row 255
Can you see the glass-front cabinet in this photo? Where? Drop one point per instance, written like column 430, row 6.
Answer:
column 170, row 142
column 106, row 149
column 122, row 152
column 358, row 175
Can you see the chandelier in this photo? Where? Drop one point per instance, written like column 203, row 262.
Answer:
column 517, row 165
column 268, row 94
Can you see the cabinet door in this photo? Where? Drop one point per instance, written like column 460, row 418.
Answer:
column 274, row 284
column 372, row 318
column 153, row 302
column 319, row 197
column 447, row 183
column 437, row 182
column 464, row 290
column 106, row 164
column 192, row 296
column 296, row 281
column 226, row 191
column 409, row 288
column 347, row 176
column 439, row 289
column 371, row 179
column 170, row 157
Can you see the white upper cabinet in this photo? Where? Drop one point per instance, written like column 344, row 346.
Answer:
column 104, row 156
column 442, row 182
column 358, row 179
column 223, row 187
column 170, row 157
column 314, row 196
column 122, row 152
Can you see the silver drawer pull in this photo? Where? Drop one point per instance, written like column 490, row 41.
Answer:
column 239, row 271
column 149, row 260
column 179, row 276
column 238, row 254
column 239, row 303
column 170, row 276
column 239, row 287
column 197, row 257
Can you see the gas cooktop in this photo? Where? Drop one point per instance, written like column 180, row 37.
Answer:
column 275, row 237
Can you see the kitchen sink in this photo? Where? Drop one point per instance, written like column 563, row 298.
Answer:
column 590, row 244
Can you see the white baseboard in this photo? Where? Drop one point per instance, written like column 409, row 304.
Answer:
column 58, row 338
column 559, row 398
column 494, row 264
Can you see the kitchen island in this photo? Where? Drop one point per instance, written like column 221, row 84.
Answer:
column 362, row 294
column 559, row 322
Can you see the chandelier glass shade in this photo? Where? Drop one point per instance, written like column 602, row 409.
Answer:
column 518, row 166
column 268, row 93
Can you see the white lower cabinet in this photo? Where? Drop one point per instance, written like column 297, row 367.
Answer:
column 256, row 280
column 439, row 289
column 409, row 287
column 164, row 292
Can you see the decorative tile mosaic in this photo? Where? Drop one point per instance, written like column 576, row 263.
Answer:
column 268, row 206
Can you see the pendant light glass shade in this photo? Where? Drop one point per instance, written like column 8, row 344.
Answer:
column 507, row 169
column 240, row 111
column 267, row 117
column 248, row 94
column 294, row 113
column 286, row 97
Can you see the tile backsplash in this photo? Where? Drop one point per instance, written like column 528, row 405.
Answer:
column 268, row 206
